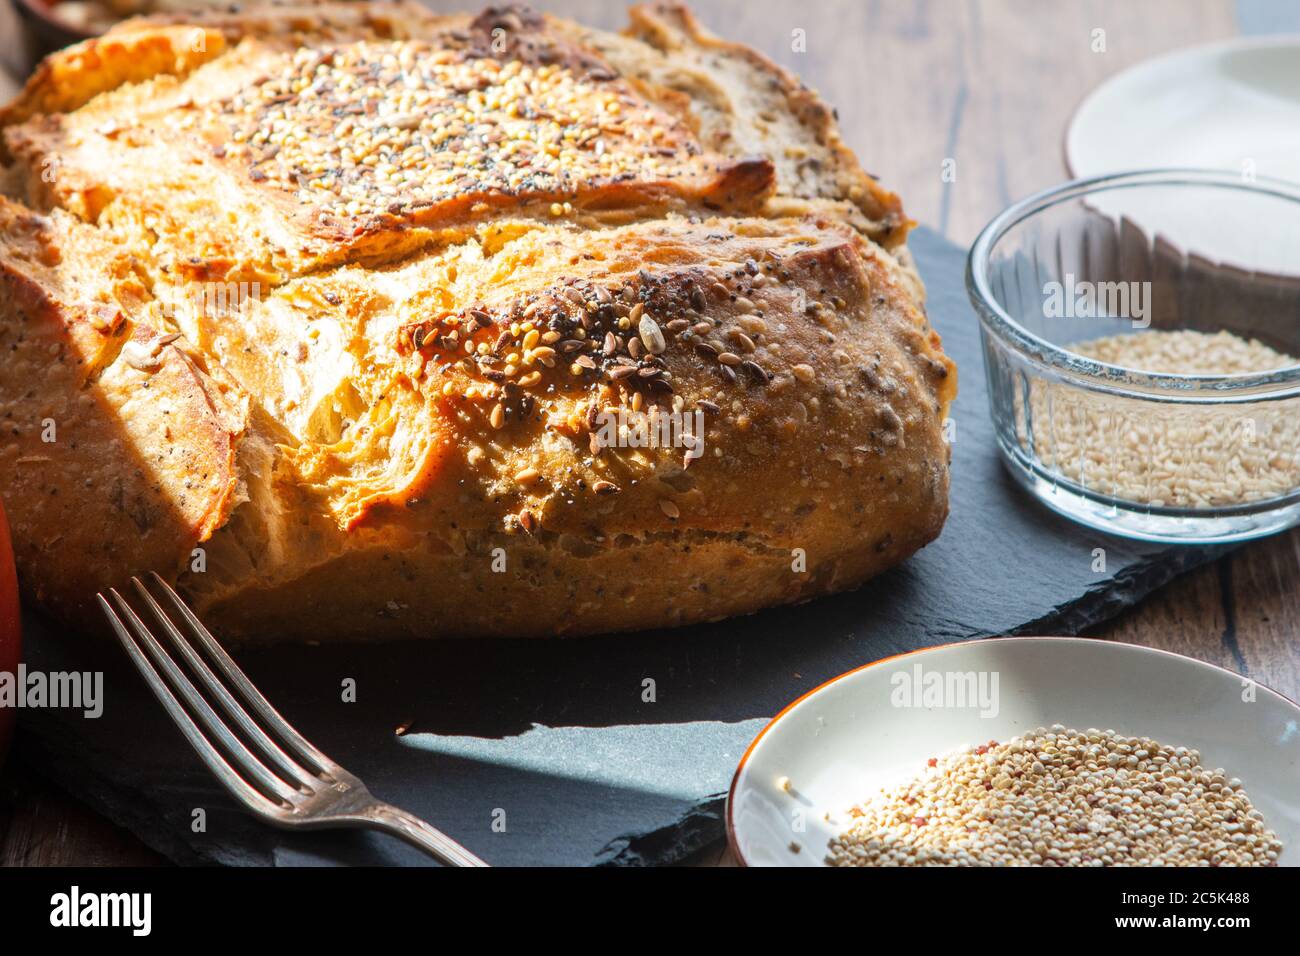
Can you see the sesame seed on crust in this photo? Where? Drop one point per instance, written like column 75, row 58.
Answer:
column 375, row 132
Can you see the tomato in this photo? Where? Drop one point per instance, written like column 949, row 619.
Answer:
column 9, row 627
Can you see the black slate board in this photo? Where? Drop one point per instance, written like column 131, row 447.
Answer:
column 553, row 738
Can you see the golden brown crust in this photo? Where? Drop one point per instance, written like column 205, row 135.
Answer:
column 72, row 77
column 814, row 164
column 118, row 452
column 471, row 247
column 536, row 122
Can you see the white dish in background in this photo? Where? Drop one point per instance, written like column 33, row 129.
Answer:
column 840, row 743
column 1233, row 106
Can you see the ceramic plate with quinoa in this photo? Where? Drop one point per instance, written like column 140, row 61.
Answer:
column 1025, row 751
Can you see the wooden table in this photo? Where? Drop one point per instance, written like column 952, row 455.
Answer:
column 991, row 86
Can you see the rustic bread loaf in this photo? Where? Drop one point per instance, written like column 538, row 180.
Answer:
column 362, row 322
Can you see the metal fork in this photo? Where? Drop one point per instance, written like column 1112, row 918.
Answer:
column 285, row 781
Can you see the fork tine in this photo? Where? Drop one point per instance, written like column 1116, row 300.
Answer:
column 210, row 722
column 251, row 696
column 226, row 774
column 272, row 753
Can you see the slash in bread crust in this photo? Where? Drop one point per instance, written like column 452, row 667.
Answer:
column 458, row 242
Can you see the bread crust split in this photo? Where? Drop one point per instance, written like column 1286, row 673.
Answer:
column 359, row 322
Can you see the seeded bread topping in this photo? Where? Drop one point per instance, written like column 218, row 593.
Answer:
column 334, row 151
column 386, row 126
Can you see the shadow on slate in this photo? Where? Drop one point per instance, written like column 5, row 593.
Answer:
column 552, row 738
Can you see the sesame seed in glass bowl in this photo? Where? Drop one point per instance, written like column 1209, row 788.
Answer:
column 1141, row 334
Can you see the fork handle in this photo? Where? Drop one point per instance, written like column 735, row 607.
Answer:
column 407, row 826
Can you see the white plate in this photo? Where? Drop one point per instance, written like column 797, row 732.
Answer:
column 843, row 741
column 1232, row 106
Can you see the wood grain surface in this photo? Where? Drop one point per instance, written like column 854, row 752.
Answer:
column 988, row 86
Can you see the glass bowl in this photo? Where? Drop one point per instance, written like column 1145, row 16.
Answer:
column 1203, row 447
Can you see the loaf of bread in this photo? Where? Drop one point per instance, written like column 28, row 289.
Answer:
column 361, row 322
